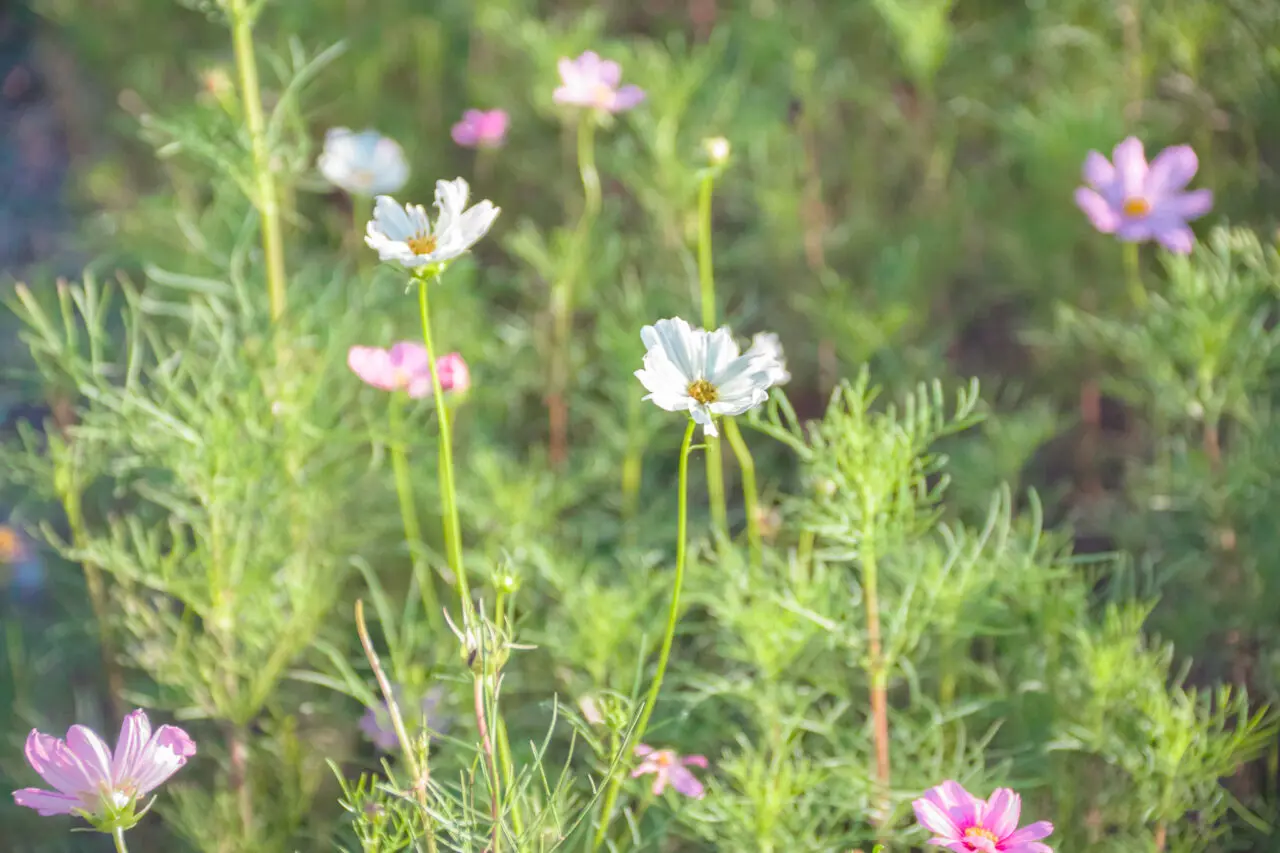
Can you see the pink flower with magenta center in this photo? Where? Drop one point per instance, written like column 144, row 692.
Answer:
column 668, row 767
column 405, row 367
column 89, row 777
column 964, row 823
column 590, row 81
column 481, row 129
column 1137, row 202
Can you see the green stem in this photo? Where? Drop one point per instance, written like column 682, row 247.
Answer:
column 587, row 168
column 448, row 491
column 878, row 676
column 409, row 517
column 267, row 199
column 750, row 496
column 1133, row 275
column 486, row 744
column 715, row 490
column 707, row 285
column 673, row 615
column 117, row 835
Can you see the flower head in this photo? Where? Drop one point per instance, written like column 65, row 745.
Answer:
column 405, row 367
column 701, row 372
column 404, row 234
column 93, row 781
column 667, row 766
column 1139, row 202
column 481, row 129
column 590, row 81
column 364, row 163
column 766, row 349
column 376, row 722
column 963, row 823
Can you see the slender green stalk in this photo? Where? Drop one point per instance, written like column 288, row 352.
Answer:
column 117, row 835
column 673, row 616
column 409, row 516
column 587, row 168
column 495, row 784
column 750, row 496
column 448, row 491
column 707, row 285
column 1133, row 275
column 267, row 199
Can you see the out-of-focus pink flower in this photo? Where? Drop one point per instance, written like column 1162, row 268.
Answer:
column 1139, row 202
column 590, row 81
column 481, row 129
column 405, row 367
column 667, row 765
column 89, row 778
column 376, row 722
column 964, row 823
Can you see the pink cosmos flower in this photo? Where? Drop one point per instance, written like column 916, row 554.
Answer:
column 1137, row 202
column 963, row 823
column 668, row 766
column 90, row 778
column 481, row 129
column 405, row 367
column 590, row 81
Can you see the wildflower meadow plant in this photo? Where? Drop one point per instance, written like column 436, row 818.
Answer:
column 481, row 129
column 364, row 163
column 595, row 83
column 669, row 768
column 963, row 823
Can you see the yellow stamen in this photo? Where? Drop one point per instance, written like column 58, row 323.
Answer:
column 663, row 758
column 422, row 245
column 703, row 391
column 1136, row 207
column 981, row 833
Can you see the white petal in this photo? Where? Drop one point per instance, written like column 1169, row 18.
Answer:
column 451, row 199
column 391, row 220
column 701, row 415
column 681, row 344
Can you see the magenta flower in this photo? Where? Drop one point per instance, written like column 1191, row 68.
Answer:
column 481, row 129
column 1137, row 202
column 404, row 367
column 92, row 781
column 668, row 766
column 963, row 823
column 590, row 81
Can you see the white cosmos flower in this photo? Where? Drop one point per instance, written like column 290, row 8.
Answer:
column 365, row 163
column 700, row 372
column 766, row 349
column 404, row 234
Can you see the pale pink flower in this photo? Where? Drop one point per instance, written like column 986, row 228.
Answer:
column 1139, row 202
column 91, row 779
column 405, row 367
column 964, row 823
column 590, row 81
column 481, row 129
column 668, row 766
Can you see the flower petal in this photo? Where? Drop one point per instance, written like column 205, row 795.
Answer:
column 93, row 753
column 1173, row 169
column 373, row 366
column 1001, row 812
column 49, row 757
column 391, row 220
column 1101, row 214
column 47, row 803
column 135, row 731
column 1190, row 205
column 1098, row 171
column 1131, row 166
column 1031, row 832
column 1178, row 239
column 166, row 752
column 686, row 783
column 627, row 98
column 695, row 761
column 935, row 818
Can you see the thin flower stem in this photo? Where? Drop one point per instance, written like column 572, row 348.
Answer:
column 267, row 199
column 804, row 550
column 673, row 615
column 715, row 490
column 117, row 835
column 495, row 784
column 448, row 492
column 750, row 496
column 707, row 285
column 1133, row 275
column 878, row 675
column 409, row 515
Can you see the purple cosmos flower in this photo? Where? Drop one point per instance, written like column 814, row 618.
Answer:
column 481, row 129
column 963, row 823
column 404, row 367
column 1137, row 202
column 90, row 779
column 590, row 81
column 668, row 766
column 376, row 722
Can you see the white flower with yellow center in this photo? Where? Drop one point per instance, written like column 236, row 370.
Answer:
column 404, row 233
column 365, row 163
column 700, row 372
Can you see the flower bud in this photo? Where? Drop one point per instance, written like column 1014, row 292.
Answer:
column 718, row 150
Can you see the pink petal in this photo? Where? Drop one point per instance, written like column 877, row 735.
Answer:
column 660, row 781
column 409, row 357
column 166, row 752
column 609, row 73
column 1131, row 166
column 1101, row 214
column 950, row 844
column 454, row 375
column 1173, row 169
column 1001, row 812
column 935, row 818
column 134, row 734
column 627, row 97
column 1030, row 847
column 85, row 744
column 1031, row 832
column 686, row 783
column 1098, row 171
column 568, row 70
column 464, row 134
column 643, row 749
column 696, row 761
column 1187, row 206
column 47, row 802
column 1178, row 239
column 962, row 807
column 48, row 756
column 372, row 365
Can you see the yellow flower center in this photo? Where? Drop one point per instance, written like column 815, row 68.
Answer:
column 604, row 95
column 422, row 245
column 1136, row 207
column 664, row 759
column 703, row 391
column 979, row 832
